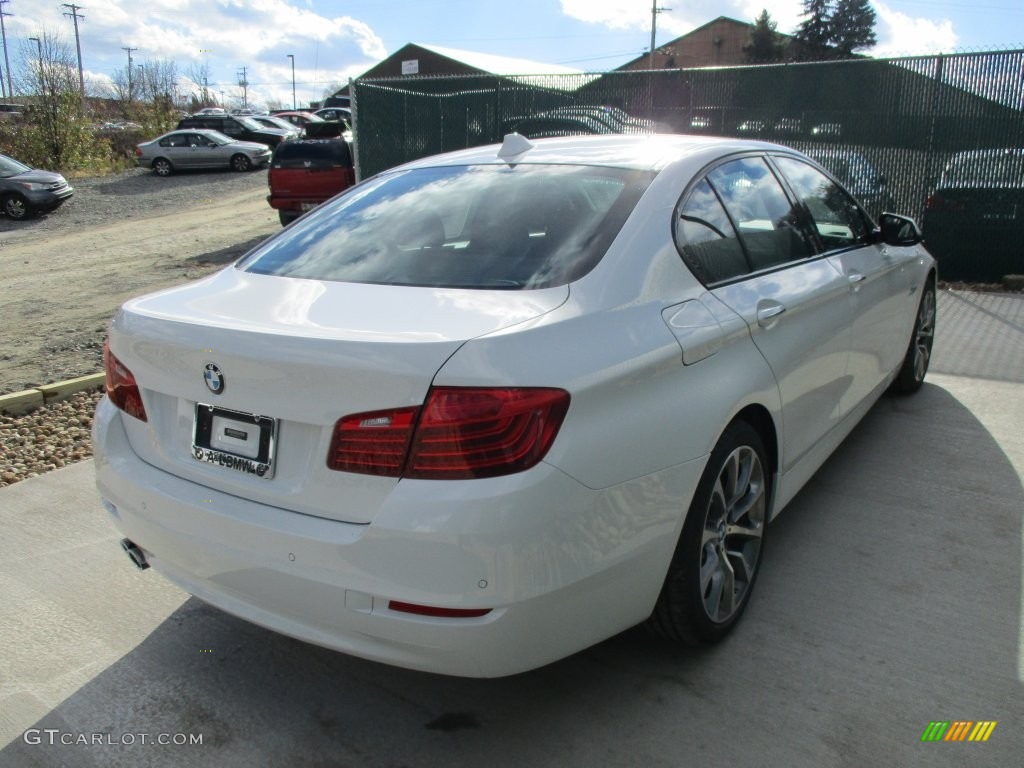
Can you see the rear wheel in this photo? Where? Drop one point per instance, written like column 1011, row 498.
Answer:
column 919, row 353
column 287, row 217
column 15, row 206
column 719, row 552
column 162, row 167
column 241, row 163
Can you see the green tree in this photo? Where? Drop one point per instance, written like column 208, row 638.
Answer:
column 765, row 44
column 815, row 32
column 853, row 26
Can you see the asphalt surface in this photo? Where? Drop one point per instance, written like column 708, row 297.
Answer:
column 890, row 597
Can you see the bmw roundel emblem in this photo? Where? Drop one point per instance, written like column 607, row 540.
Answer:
column 214, row 378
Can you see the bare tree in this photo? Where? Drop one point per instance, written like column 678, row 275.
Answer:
column 59, row 133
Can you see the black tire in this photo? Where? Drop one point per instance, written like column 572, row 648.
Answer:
column 162, row 167
column 241, row 163
column 919, row 353
column 287, row 217
column 719, row 553
column 16, row 207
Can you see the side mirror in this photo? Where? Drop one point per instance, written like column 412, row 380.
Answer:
column 894, row 229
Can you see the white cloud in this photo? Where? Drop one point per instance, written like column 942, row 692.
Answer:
column 901, row 34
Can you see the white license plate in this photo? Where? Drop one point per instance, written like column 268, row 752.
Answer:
column 307, row 206
column 244, row 442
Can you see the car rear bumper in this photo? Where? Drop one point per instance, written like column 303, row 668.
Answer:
column 558, row 565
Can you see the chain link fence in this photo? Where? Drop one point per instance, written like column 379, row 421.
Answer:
column 940, row 138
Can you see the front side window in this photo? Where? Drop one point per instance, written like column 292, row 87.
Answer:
column 493, row 226
column 837, row 218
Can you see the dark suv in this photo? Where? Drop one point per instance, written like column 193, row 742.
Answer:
column 239, row 127
column 305, row 173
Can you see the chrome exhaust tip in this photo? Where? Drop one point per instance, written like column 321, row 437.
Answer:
column 135, row 553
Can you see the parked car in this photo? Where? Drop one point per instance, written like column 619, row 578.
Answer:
column 827, row 130
column 305, row 173
column 974, row 220
column 341, row 114
column 199, row 148
column 272, row 121
column 615, row 119
column 858, row 175
column 751, row 127
column 297, row 118
column 238, row 127
column 548, row 126
column 25, row 191
column 370, row 432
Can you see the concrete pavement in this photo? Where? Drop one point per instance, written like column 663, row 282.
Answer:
column 890, row 597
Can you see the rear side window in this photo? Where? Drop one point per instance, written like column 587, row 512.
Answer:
column 738, row 220
column 486, row 227
column 706, row 238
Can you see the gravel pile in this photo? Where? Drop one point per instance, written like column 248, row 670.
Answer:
column 48, row 438
column 136, row 193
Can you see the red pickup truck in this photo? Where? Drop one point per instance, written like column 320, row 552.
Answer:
column 305, row 173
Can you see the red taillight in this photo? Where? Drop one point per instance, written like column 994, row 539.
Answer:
column 443, row 613
column 138, row 151
column 372, row 443
column 121, row 387
column 460, row 433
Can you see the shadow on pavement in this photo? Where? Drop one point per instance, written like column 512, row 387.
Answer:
column 890, row 597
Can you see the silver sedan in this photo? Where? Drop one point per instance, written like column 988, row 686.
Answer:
column 199, row 148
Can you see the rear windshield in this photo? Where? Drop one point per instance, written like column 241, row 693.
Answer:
column 291, row 154
column 487, row 227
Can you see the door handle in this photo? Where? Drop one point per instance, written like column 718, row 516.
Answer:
column 855, row 277
column 767, row 316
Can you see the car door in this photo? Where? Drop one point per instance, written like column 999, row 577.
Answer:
column 175, row 147
column 208, row 153
column 744, row 239
column 876, row 276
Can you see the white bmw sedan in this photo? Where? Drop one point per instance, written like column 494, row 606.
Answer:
column 489, row 408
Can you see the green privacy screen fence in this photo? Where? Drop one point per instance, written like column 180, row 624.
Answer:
column 940, row 138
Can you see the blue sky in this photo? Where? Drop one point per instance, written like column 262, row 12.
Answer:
column 333, row 40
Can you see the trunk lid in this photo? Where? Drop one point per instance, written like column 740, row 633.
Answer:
column 300, row 353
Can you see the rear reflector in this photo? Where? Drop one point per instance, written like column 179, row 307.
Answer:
column 121, row 387
column 443, row 613
column 459, row 433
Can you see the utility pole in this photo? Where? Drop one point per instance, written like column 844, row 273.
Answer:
column 655, row 10
column 292, row 57
column 126, row 48
column 244, row 84
column 75, row 15
column 7, row 61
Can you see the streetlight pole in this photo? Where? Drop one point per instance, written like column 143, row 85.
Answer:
column 42, row 81
column 292, row 57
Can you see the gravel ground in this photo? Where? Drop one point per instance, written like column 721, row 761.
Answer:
column 48, row 438
column 136, row 193
column 58, row 434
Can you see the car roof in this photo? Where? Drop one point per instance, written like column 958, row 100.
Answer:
column 202, row 131
column 651, row 152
